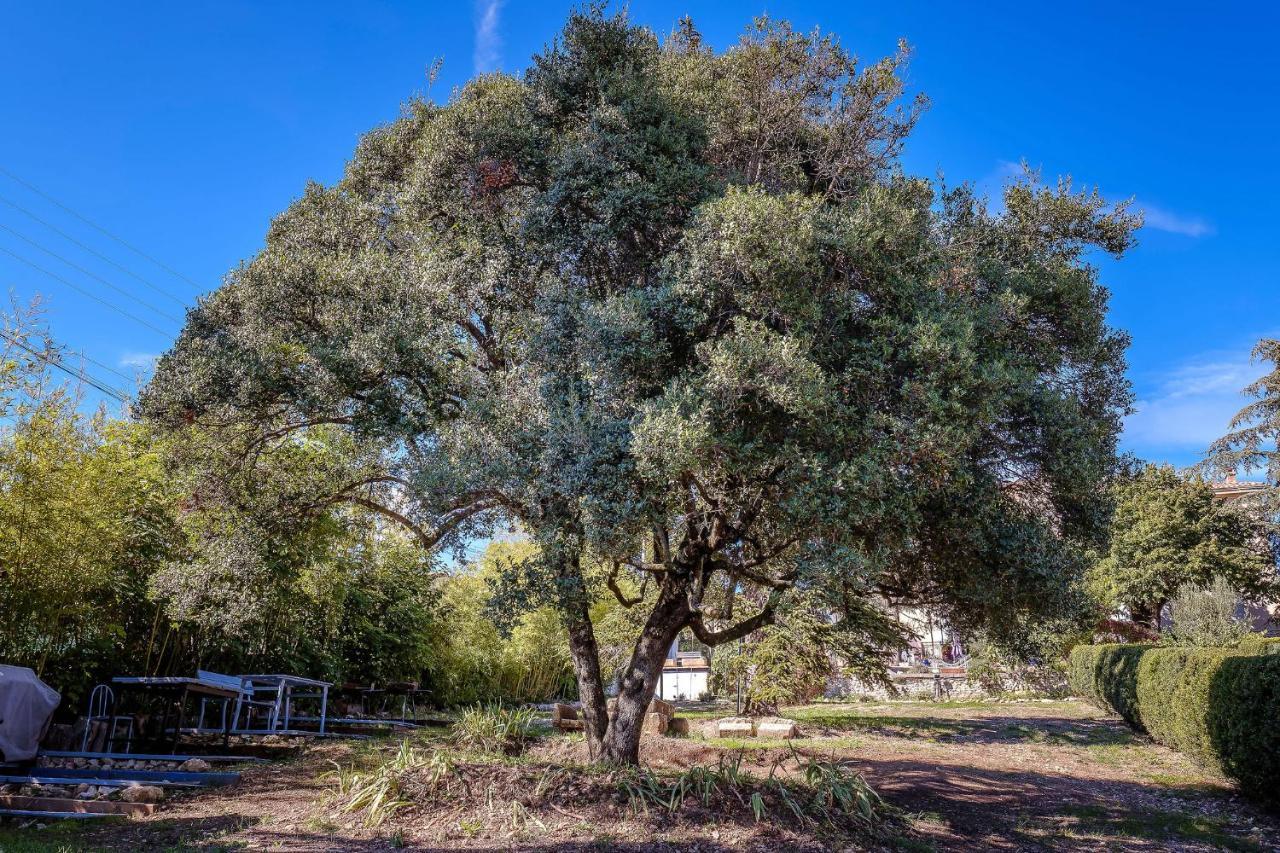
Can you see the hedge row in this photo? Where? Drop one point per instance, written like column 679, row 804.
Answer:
column 1219, row 706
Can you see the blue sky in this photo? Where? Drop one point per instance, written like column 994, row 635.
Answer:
column 182, row 128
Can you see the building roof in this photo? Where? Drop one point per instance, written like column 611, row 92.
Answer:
column 1229, row 488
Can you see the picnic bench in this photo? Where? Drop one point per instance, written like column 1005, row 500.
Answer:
column 286, row 690
column 176, row 689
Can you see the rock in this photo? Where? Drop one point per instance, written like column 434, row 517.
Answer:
column 194, row 765
column 678, row 726
column 52, row 791
column 655, row 724
column 777, row 727
column 666, row 709
column 142, row 794
column 560, row 711
column 571, row 725
column 736, row 727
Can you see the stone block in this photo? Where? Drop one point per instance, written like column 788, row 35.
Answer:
column 142, row 794
column 666, row 709
column 655, row 724
column 777, row 727
column 735, row 727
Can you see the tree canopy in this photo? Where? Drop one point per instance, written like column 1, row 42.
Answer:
column 680, row 317
column 1170, row 531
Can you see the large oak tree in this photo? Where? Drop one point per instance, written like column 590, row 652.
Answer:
column 680, row 316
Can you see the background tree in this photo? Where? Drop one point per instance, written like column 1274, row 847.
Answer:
column 1169, row 531
column 679, row 316
column 84, row 520
column 1251, row 444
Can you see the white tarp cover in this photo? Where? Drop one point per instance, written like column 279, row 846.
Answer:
column 26, row 707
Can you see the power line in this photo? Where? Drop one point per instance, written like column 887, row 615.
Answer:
column 90, row 273
column 64, row 235
column 87, row 293
column 126, row 377
column 87, row 221
column 53, row 361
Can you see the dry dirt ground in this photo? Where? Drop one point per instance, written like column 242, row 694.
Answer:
column 1028, row 775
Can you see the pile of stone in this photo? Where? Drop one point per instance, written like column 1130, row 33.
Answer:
column 767, row 727
column 659, row 719
column 134, row 792
column 193, row 765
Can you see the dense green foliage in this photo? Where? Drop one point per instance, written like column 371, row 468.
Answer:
column 1217, row 705
column 680, row 314
column 1108, row 675
column 1169, row 531
column 118, row 556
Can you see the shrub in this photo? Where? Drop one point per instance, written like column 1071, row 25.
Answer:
column 1207, row 615
column 1108, row 675
column 1257, row 644
column 1217, row 705
column 493, row 728
column 1244, row 709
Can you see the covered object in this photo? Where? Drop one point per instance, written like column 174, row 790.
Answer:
column 26, row 707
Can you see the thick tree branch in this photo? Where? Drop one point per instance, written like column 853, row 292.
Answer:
column 612, row 582
column 742, row 629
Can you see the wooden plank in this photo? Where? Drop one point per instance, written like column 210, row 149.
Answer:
column 85, row 773
column 151, row 756
column 61, row 804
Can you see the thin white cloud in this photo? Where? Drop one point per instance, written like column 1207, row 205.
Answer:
column 1175, row 223
column 140, row 360
column 487, row 53
column 1191, row 406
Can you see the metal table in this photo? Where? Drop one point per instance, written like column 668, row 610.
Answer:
column 285, row 687
column 180, row 686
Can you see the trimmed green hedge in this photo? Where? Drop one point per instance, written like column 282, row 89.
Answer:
column 1219, row 706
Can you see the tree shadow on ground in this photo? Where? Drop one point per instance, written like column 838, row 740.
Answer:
column 961, row 807
column 994, row 730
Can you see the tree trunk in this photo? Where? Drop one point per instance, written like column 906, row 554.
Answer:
column 670, row 614
column 586, row 667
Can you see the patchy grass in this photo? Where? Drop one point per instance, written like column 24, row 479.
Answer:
column 1107, row 826
column 58, row 837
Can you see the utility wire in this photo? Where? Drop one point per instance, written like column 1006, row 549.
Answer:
column 91, row 274
column 54, row 361
column 126, row 377
column 88, row 249
column 87, row 293
column 87, row 221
